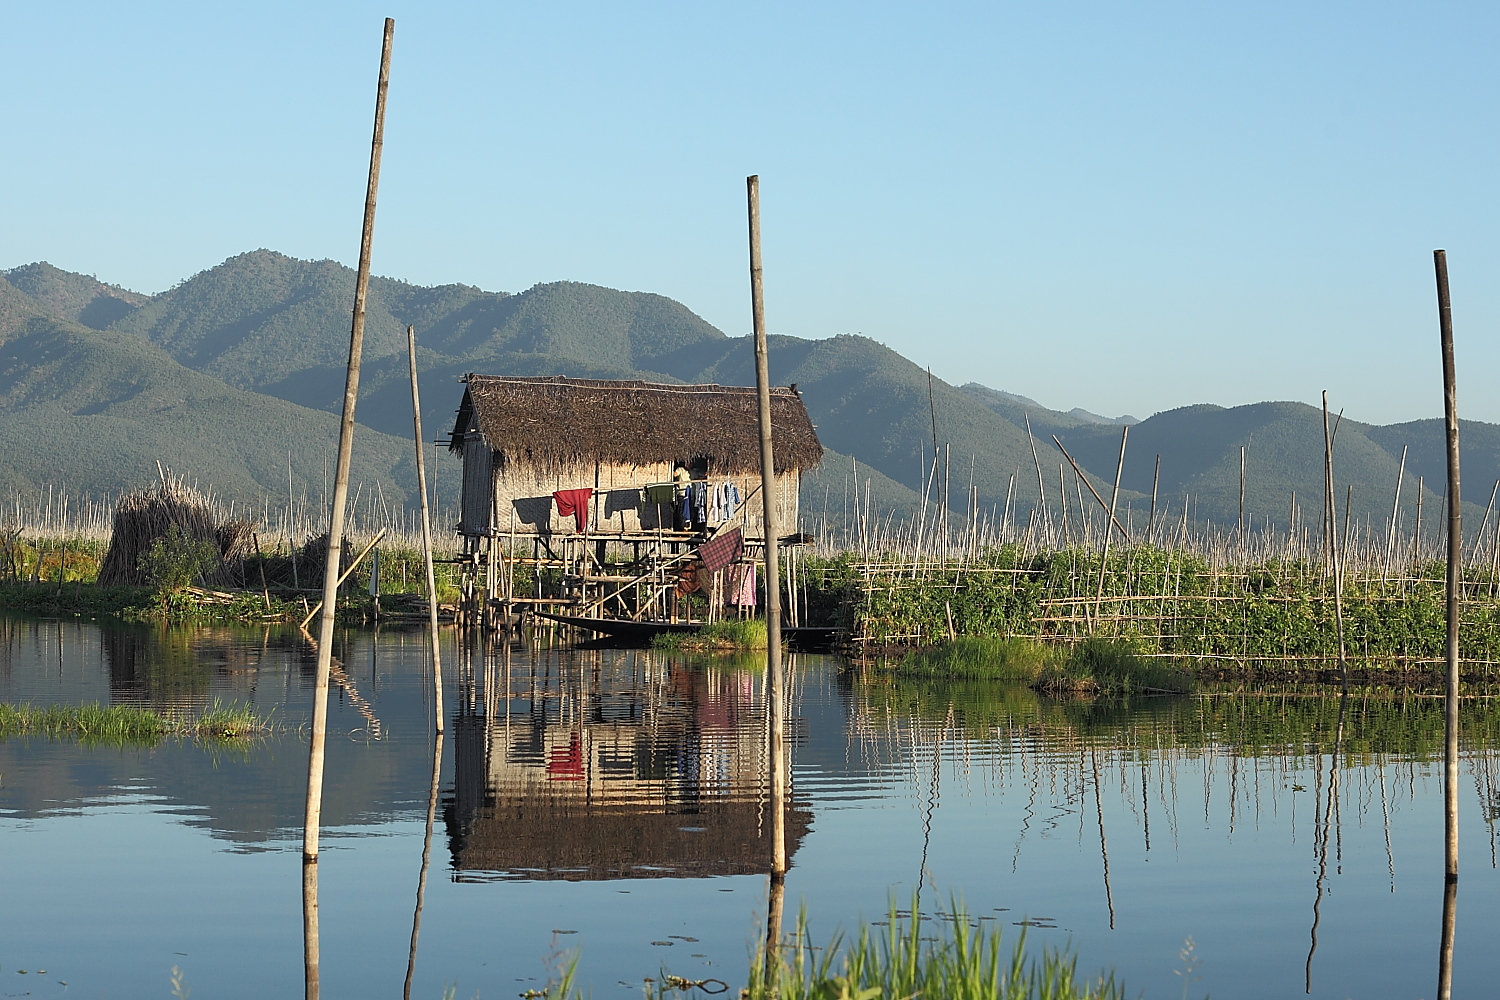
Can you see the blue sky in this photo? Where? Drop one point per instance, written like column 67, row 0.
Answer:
column 1122, row 207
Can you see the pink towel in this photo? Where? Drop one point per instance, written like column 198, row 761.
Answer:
column 575, row 502
column 742, row 585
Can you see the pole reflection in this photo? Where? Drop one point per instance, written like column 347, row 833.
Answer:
column 416, row 918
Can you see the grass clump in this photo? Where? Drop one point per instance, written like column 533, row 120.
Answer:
column 951, row 955
column 1101, row 665
column 728, row 634
column 979, row 657
column 126, row 725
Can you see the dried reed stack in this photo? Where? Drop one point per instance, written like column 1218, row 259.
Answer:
column 144, row 516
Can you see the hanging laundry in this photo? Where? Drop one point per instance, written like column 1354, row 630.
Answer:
column 730, row 500
column 742, row 585
column 575, row 502
column 699, row 492
column 688, row 579
column 661, row 493
column 722, row 549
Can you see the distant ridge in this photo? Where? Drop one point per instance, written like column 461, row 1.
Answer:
column 984, row 394
column 243, row 361
column 77, row 297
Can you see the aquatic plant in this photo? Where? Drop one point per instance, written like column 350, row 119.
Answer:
column 950, row 955
column 126, row 725
column 976, row 657
column 726, row 634
column 1112, row 666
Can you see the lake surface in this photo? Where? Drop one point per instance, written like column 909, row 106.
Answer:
column 609, row 803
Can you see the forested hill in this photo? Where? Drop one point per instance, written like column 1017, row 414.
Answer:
column 268, row 333
column 94, row 411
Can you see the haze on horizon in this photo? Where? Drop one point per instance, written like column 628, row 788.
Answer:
column 1127, row 210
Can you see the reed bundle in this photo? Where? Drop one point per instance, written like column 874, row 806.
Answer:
column 144, row 516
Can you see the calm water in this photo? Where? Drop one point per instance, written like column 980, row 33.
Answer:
column 609, row 802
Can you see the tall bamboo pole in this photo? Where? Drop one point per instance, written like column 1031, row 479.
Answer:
column 775, row 708
column 1331, row 529
column 1109, row 535
column 432, row 601
column 1390, row 545
column 1041, row 492
column 416, row 919
column 1151, row 521
column 313, row 815
column 1450, row 700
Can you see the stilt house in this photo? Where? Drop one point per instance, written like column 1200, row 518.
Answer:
column 524, row 439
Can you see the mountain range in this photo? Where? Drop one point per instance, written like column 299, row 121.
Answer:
column 236, row 373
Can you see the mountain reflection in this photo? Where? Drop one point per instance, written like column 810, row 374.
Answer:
column 606, row 766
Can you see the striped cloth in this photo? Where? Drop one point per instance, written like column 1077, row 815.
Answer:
column 721, row 550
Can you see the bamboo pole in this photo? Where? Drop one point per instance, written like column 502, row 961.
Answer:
column 1390, row 545
column 1331, row 529
column 1416, row 537
column 432, row 599
column 1479, row 536
column 1041, row 493
column 432, row 797
column 313, row 814
column 774, row 681
column 1109, row 535
column 1078, row 474
column 260, row 563
column 1242, row 502
column 1450, row 702
column 1151, row 521
column 345, row 574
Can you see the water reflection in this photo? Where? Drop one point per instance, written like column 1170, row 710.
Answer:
column 609, row 765
column 598, row 787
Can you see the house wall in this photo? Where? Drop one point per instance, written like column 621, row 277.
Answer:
column 522, row 499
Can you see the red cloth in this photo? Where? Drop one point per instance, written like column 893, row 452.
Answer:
column 575, row 502
column 721, row 550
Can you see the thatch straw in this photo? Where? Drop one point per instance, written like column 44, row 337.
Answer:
column 144, row 516
column 551, row 423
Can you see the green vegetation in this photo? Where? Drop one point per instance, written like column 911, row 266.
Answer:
column 1112, row 666
column 123, row 725
column 145, row 604
column 975, row 657
column 951, row 955
column 76, row 599
column 1268, row 618
column 908, row 956
column 106, row 405
column 728, row 634
column 175, row 561
column 63, row 559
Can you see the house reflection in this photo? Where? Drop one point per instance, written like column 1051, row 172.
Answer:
column 638, row 766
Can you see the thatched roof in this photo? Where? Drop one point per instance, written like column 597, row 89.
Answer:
column 558, row 422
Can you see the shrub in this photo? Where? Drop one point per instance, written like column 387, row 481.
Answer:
column 175, row 560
